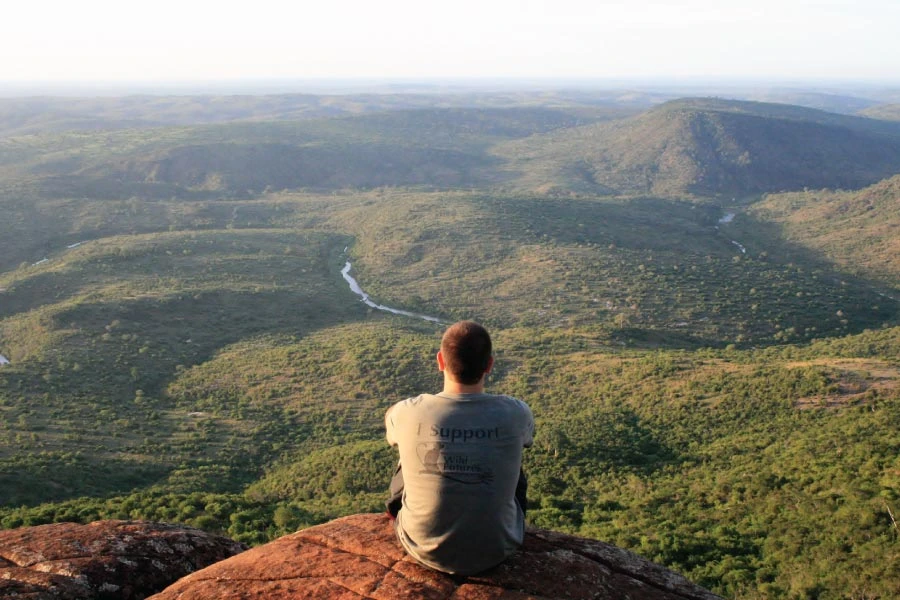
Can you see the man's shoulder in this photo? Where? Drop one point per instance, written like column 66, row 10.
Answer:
column 410, row 403
column 415, row 400
column 513, row 401
column 425, row 400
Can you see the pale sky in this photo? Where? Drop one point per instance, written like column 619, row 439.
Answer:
column 205, row 40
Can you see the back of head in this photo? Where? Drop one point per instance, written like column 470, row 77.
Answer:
column 466, row 348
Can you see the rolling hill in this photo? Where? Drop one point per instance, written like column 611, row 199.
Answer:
column 710, row 148
column 888, row 112
column 699, row 147
column 858, row 230
column 439, row 147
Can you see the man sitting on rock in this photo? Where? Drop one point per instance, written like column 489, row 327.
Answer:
column 459, row 491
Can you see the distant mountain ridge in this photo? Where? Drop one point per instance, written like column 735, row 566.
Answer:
column 843, row 103
column 712, row 147
column 35, row 115
column 703, row 147
column 440, row 147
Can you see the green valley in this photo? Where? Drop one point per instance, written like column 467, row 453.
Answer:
column 710, row 346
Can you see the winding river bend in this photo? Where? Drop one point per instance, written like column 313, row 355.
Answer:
column 726, row 220
column 356, row 289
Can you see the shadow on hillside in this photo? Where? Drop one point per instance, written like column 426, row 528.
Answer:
column 652, row 339
column 41, row 289
column 770, row 238
column 872, row 303
column 596, row 441
column 205, row 171
column 673, row 276
column 103, row 385
column 156, row 335
column 643, row 224
column 52, row 477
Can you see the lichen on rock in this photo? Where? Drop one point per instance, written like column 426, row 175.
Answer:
column 103, row 560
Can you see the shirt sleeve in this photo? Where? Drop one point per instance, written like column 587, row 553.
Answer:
column 390, row 432
column 528, row 437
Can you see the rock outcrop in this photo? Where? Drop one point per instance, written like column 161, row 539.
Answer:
column 122, row 560
column 359, row 557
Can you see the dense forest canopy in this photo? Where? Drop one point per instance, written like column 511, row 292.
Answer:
column 698, row 297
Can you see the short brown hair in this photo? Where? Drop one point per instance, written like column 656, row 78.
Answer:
column 466, row 348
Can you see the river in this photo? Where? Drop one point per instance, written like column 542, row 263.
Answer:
column 728, row 218
column 356, row 289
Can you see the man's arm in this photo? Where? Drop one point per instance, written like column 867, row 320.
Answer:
column 529, row 426
column 390, row 433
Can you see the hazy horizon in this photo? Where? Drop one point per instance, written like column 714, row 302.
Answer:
column 101, row 43
column 360, row 85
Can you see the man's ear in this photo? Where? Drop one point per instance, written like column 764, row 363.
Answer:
column 490, row 365
column 440, row 361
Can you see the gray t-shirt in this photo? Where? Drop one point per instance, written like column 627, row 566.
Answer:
column 461, row 455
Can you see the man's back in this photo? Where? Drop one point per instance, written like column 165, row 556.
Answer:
column 461, row 455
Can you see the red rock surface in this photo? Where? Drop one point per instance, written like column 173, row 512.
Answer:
column 359, row 557
column 122, row 560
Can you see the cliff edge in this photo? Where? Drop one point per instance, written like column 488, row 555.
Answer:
column 358, row 557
